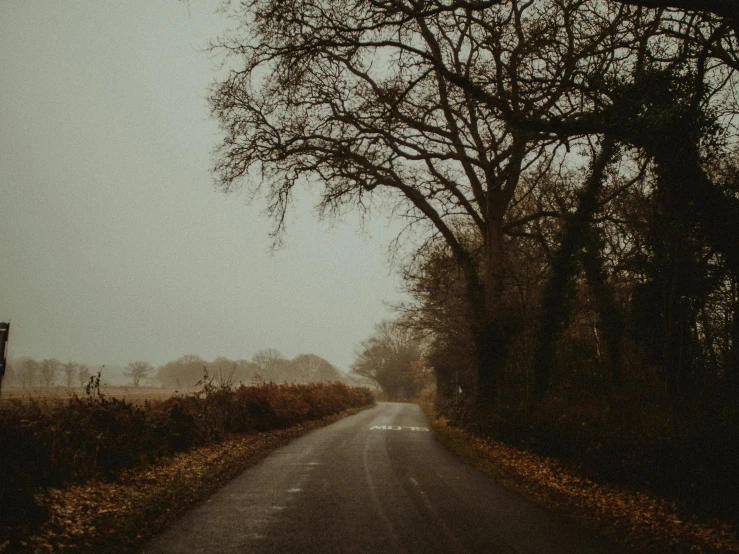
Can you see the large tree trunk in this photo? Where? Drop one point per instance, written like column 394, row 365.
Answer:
column 492, row 350
column 490, row 339
column 559, row 292
column 611, row 315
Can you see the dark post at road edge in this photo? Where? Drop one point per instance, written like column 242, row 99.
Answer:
column 4, row 334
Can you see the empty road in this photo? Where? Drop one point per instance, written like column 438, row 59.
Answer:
column 374, row 482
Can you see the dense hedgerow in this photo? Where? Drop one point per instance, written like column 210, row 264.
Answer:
column 687, row 454
column 47, row 444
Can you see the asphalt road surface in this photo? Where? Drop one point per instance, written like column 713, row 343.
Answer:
column 376, row 481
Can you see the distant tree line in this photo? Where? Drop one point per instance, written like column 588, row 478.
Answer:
column 265, row 366
column 27, row 373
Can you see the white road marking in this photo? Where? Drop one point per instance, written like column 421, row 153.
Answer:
column 397, row 428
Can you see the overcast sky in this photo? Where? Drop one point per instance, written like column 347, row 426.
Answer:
column 114, row 243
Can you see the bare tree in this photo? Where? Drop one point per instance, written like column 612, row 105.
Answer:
column 225, row 372
column 27, row 371
column 48, row 370
column 721, row 8
column 137, row 371
column 83, row 374
column 441, row 110
column 402, row 132
column 309, row 368
column 272, row 365
column 392, row 359
column 70, row 372
column 183, row 372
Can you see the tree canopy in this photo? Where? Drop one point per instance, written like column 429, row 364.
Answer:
column 392, row 359
column 538, row 147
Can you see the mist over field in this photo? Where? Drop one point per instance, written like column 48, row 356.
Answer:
column 116, row 246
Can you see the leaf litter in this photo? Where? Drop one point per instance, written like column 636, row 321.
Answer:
column 641, row 521
column 120, row 515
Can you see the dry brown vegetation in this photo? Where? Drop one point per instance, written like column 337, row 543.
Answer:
column 118, row 516
column 642, row 521
column 129, row 394
column 53, row 444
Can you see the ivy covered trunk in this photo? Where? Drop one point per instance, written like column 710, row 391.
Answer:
column 491, row 341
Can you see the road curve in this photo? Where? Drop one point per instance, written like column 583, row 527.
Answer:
column 376, row 481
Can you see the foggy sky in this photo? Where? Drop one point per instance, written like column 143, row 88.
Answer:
column 114, row 244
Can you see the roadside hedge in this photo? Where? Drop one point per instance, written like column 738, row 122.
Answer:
column 47, row 443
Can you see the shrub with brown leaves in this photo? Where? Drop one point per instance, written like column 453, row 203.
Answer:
column 47, row 443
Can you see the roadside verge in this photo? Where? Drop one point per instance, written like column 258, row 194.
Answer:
column 120, row 516
column 638, row 520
